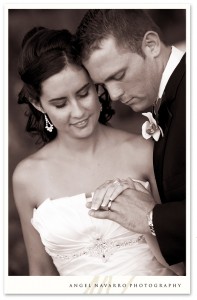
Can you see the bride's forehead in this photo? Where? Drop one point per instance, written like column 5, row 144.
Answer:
column 69, row 80
column 69, row 73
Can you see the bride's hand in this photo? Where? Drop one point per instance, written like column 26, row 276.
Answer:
column 129, row 209
column 110, row 190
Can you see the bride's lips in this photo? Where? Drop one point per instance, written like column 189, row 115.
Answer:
column 81, row 123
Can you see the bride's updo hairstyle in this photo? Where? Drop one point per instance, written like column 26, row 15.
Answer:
column 46, row 52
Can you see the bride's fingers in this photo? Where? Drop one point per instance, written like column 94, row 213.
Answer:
column 99, row 195
column 124, row 185
column 118, row 190
column 137, row 185
column 98, row 198
column 103, row 193
column 130, row 182
column 115, row 185
column 141, row 188
column 101, row 214
column 88, row 204
column 112, row 189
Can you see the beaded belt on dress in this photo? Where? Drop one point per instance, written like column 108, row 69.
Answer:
column 101, row 248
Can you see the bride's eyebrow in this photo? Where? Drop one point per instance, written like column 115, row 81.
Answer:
column 63, row 98
column 56, row 99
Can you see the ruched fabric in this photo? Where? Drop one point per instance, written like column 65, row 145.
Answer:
column 82, row 245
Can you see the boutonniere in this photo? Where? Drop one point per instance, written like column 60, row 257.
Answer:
column 150, row 128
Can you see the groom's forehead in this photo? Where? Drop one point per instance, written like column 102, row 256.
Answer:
column 106, row 43
column 106, row 49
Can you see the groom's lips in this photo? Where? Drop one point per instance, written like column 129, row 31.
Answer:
column 127, row 102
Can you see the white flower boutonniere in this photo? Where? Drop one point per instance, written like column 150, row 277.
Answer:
column 150, row 128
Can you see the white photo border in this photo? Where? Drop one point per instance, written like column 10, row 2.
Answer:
column 14, row 285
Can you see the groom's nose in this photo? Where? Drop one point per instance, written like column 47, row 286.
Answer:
column 115, row 91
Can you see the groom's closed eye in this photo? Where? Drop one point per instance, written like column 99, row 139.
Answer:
column 119, row 75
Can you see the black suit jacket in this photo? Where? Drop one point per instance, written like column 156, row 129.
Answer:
column 169, row 158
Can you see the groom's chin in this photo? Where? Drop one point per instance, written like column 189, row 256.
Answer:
column 140, row 108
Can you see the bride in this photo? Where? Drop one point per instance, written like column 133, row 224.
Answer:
column 80, row 152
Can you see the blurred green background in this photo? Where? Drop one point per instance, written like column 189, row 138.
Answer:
column 172, row 21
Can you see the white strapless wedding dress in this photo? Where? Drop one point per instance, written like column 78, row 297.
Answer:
column 82, row 245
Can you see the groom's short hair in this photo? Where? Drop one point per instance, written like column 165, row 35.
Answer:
column 127, row 26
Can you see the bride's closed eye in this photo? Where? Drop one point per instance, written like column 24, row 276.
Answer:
column 60, row 104
column 84, row 92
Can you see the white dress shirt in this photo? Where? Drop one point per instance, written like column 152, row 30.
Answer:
column 174, row 59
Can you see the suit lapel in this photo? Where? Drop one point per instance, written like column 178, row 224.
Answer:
column 164, row 120
column 165, row 117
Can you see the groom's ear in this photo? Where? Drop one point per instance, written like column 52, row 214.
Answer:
column 151, row 44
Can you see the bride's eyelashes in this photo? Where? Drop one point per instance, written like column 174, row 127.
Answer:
column 85, row 91
column 61, row 105
column 85, row 94
column 64, row 103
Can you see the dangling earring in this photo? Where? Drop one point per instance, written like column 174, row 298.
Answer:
column 101, row 108
column 49, row 126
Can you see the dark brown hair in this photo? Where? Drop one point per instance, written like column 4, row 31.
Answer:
column 128, row 26
column 44, row 53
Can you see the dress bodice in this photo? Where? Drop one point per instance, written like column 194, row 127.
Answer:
column 82, row 245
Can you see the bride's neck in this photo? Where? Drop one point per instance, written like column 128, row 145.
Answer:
column 82, row 146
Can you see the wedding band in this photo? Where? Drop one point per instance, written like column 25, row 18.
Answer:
column 109, row 204
column 102, row 207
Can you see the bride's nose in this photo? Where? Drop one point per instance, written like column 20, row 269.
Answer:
column 77, row 109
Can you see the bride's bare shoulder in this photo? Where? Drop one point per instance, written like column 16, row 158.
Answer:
column 28, row 167
column 129, row 140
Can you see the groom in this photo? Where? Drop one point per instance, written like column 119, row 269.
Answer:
column 124, row 50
